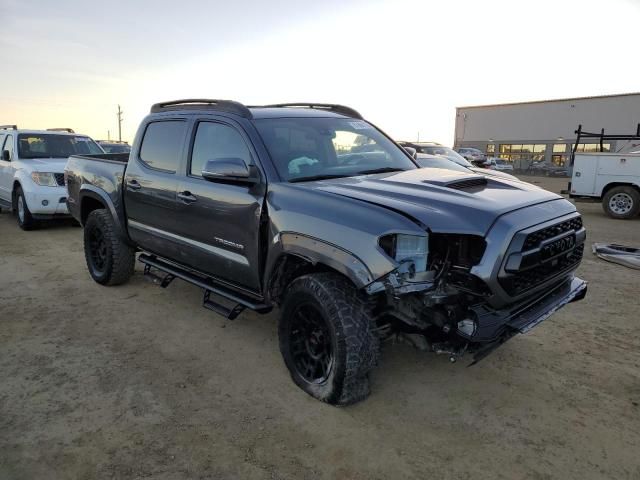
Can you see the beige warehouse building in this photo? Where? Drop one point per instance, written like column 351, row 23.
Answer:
column 544, row 130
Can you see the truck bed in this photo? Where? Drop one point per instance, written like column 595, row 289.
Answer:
column 111, row 157
column 99, row 176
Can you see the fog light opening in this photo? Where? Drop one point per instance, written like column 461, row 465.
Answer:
column 467, row 327
column 45, row 203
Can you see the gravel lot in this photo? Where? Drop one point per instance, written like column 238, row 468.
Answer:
column 136, row 381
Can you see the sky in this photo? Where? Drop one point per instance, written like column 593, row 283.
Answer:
column 403, row 64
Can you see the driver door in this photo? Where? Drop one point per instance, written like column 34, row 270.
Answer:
column 6, row 169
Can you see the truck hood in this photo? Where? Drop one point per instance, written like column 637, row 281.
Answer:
column 54, row 165
column 441, row 200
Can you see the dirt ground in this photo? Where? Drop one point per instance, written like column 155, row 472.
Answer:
column 140, row 382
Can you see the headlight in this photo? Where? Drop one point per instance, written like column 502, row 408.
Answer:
column 407, row 248
column 45, row 179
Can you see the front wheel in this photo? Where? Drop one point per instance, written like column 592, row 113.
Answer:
column 621, row 202
column 23, row 214
column 110, row 260
column 326, row 338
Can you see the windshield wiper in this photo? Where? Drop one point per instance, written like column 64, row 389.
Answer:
column 311, row 178
column 381, row 170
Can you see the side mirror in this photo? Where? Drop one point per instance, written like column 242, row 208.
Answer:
column 411, row 151
column 6, row 156
column 231, row 169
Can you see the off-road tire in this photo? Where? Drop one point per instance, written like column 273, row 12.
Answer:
column 117, row 257
column 355, row 345
column 629, row 193
column 27, row 222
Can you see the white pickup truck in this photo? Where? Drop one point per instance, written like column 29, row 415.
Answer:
column 32, row 164
column 611, row 178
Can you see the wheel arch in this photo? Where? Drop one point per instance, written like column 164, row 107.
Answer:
column 92, row 198
column 611, row 185
column 301, row 255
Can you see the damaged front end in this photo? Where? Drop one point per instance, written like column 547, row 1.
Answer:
column 435, row 301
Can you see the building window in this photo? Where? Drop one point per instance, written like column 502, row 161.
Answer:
column 559, row 148
column 593, row 147
column 491, row 149
column 522, row 155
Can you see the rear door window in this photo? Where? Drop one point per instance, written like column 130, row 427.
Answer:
column 162, row 145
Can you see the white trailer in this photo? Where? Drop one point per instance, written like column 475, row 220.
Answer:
column 611, row 178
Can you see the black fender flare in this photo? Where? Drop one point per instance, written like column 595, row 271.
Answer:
column 90, row 191
column 315, row 250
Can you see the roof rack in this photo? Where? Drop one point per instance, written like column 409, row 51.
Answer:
column 8, row 127
column 113, row 141
column 348, row 111
column 68, row 130
column 580, row 134
column 203, row 103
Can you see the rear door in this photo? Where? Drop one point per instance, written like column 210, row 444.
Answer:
column 219, row 223
column 6, row 168
column 150, row 184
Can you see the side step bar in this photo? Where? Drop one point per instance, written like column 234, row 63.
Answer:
column 209, row 286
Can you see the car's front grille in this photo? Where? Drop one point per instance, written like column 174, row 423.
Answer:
column 59, row 178
column 519, row 282
column 534, row 239
column 545, row 254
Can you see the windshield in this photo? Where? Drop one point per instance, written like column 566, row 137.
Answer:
column 305, row 149
column 115, row 148
column 445, row 152
column 50, row 145
column 428, row 161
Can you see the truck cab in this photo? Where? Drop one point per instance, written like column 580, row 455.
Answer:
column 32, row 182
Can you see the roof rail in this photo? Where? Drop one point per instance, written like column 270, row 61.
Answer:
column 348, row 111
column 68, row 130
column 113, row 141
column 8, row 127
column 228, row 106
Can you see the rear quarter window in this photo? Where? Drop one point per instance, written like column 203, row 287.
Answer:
column 162, row 145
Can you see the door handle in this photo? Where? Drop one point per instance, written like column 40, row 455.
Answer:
column 134, row 185
column 187, row 197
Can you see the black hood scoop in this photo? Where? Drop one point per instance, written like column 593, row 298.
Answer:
column 466, row 183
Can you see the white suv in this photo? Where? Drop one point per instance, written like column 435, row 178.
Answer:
column 32, row 171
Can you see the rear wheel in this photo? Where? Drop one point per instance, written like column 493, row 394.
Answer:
column 110, row 260
column 326, row 338
column 621, row 202
column 23, row 214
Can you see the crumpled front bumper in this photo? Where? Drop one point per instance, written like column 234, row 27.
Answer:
column 495, row 327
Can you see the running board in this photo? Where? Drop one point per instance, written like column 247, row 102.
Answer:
column 209, row 286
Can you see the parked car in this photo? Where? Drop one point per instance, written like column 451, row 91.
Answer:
column 279, row 206
column 547, row 169
column 114, row 146
column 610, row 178
column 433, row 148
column 32, row 171
column 493, row 163
column 472, row 154
column 438, row 161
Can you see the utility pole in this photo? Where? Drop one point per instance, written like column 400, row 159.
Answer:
column 119, row 124
column 108, row 134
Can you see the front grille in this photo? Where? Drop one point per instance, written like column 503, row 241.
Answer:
column 539, row 262
column 536, row 238
column 59, row 178
column 519, row 282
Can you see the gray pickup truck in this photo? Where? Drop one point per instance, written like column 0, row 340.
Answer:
column 311, row 209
